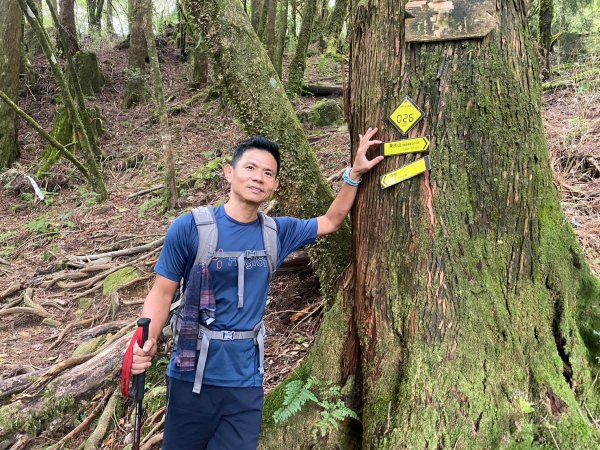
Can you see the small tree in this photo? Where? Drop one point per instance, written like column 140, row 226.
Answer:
column 298, row 63
column 170, row 191
column 137, row 91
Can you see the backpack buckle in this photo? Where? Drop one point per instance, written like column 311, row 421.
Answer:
column 228, row 335
column 250, row 254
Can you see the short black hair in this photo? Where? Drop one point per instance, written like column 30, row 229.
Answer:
column 259, row 143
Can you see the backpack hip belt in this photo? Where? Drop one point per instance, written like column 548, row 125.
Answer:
column 205, row 336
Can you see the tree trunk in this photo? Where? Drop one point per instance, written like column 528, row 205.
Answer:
column 292, row 33
column 182, row 32
column 473, row 304
column 90, row 78
column 67, row 20
column 170, row 192
column 262, row 24
column 255, row 13
column 546, row 17
column 94, row 9
column 335, row 22
column 282, row 19
column 138, row 50
column 298, row 63
column 108, row 18
column 199, row 76
column 11, row 29
column 262, row 107
column 270, row 29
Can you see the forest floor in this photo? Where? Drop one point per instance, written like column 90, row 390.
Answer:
column 40, row 240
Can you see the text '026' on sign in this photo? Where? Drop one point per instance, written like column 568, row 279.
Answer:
column 404, row 173
column 406, row 116
column 415, row 145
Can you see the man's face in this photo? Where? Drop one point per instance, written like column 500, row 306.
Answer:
column 253, row 179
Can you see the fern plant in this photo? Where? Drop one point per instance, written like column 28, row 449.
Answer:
column 326, row 394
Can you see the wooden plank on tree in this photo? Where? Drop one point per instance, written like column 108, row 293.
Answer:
column 439, row 20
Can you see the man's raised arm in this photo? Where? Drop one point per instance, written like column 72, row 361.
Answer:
column 340, row 207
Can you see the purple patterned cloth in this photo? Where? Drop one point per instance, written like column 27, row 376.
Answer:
column 198, row 307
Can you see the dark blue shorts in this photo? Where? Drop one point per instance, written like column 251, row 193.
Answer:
column 219, row 418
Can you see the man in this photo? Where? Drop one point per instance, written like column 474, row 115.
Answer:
column 217, row 404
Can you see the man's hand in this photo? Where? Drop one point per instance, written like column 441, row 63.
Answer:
column 142, row 358
column 361, row 163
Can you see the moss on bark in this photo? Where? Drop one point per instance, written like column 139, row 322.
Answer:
column 467, row 306
column 91, row 79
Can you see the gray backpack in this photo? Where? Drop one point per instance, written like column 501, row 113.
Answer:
column 208, row 237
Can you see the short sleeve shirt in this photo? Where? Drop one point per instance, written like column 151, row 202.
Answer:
column 231, row 363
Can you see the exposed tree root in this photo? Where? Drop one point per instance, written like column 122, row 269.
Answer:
column 154, row 440
column 84, row 424
column 29, row 308
column 71, row 325
column 13, row 288
column 95, row 439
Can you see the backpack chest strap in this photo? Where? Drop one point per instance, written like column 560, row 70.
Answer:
column 205, row 336
column 241, row 263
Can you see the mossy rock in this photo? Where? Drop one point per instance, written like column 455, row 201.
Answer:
column 325, row 112
column 91, row 79
column 120, row 278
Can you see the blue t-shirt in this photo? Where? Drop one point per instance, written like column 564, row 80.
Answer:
column 231, row 363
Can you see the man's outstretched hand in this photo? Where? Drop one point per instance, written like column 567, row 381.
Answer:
column 361, row 163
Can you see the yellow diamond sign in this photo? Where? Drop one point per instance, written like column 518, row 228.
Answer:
column 406, row 116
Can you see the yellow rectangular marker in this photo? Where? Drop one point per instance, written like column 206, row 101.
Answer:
column 420, row 144
column 406, row 172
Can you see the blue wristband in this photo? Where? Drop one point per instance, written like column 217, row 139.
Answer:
column 346, row 178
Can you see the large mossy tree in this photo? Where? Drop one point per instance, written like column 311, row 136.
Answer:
column 474, row 309
column 467, row 316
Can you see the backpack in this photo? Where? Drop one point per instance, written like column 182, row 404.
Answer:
column 208, row 238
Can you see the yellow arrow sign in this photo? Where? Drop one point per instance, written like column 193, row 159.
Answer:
column 406, row 172
column 406, row 116
column 416, row 145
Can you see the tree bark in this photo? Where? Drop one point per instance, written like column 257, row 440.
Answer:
column 335, row 22
column 67, row 20
column 270, row 28
column 473, row 304
column 282, row 25
column 138, row 50
column 170, row 191
column 11, row 29
column 255, row 13
column 108, row 18
column 262, row 24
column 94, row 9
column 546, row 17
column 199, row 76
column 298, row 63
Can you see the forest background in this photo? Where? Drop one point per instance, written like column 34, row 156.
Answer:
column 84, row 215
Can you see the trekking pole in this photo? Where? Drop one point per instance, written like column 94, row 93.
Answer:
column 138, row 388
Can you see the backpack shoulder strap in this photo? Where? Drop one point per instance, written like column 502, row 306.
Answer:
column 269, row 231
column 208, row 233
